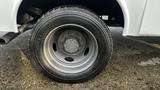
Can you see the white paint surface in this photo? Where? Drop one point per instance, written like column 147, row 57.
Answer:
column 8, row 15
column 151, row 20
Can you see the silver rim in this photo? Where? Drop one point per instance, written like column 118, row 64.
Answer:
column 70, row 48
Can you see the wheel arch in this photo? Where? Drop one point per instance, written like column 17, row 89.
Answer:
column 124, row 9
column 120, row 10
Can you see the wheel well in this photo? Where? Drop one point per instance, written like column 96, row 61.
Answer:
column 31, row 10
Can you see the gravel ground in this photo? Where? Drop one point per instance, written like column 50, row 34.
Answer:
column 134, row 66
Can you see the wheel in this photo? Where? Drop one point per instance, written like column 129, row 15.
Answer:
column 71, row 44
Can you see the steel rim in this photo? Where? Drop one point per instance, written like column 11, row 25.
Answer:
column 70, row 48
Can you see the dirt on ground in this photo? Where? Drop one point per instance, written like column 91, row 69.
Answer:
column 134, row 66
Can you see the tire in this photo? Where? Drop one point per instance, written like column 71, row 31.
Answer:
column 71, row 44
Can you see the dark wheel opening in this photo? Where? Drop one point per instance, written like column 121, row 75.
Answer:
column 69, row 59
column 86, row 51
column 54, row 47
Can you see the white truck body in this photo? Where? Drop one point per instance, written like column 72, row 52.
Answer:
column 141, row 17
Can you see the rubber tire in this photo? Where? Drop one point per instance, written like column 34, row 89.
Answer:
column 98, row 28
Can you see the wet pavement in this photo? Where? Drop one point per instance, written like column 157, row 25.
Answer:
column 134, row 66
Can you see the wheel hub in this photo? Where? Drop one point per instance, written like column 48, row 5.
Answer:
column 71, row 45
column 71, row 42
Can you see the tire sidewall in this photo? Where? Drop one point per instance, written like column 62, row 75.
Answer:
column 89, row 21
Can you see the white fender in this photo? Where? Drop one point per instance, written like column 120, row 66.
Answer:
column 133, row 11
column 8, row 15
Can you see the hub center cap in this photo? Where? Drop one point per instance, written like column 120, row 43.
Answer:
column 71, row 45
column 71, row 42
